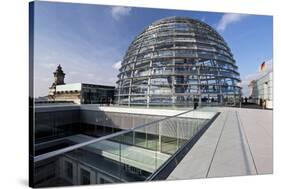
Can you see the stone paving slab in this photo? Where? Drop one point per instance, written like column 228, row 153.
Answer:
column 239, row 142
column 196, row 163
column 232, row 156
column 259, row 134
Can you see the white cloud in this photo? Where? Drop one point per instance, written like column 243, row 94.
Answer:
column 90, row 75
column 118, row 12
column 246, row 81
column 227, row 19
column 250, row 77
column 269, row 65
column 117, row 65
column 49, row 66
column 73, row 73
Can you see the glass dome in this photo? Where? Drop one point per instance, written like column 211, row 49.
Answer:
column 178, row 61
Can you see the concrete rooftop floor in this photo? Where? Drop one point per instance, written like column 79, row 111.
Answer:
column 239, row 142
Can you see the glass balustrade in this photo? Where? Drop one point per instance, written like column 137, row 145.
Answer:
column 135, row 154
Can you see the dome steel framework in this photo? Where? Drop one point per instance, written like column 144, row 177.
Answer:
column 178, row 61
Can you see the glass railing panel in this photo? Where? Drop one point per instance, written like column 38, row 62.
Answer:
column 57, row 144
column 101, row 159
column 138, row 159
column 57, row 130
column 132, row 155
column 168, row 136
column 51, row 125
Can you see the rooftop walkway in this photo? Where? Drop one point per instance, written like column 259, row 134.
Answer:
column 239, row 142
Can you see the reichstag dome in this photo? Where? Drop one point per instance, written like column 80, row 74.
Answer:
column 178, row 61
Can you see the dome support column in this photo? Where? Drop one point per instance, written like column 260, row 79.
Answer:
column 149, row 84
column 199, row 83
column 173, row 79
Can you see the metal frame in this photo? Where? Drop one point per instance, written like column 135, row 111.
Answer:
column 207, row 68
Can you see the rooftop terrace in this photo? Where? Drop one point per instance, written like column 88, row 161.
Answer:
column 159, row 143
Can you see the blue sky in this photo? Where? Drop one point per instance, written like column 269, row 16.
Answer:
column 89, row 41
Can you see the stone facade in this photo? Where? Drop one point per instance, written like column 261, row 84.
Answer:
column 79, row 93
